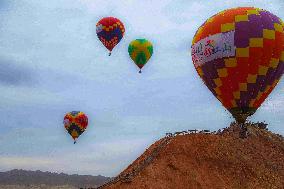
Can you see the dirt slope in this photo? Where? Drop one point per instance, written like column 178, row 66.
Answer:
column 221, row 160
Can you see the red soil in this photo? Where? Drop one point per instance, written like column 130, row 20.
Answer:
column 212, row 161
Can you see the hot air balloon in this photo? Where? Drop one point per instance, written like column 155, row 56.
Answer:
column 140, row 51
column 75, row 123
column 110, row 31
column 239, row 54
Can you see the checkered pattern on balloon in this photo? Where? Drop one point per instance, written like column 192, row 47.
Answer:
column 239, row 55
column 110, row 31
column 75, row 123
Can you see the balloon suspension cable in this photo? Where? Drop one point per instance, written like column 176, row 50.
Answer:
column 140, row 71
column 109, row 53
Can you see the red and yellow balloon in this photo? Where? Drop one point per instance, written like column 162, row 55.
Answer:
column 239, row 54
column 75, row 123
column 110, row 31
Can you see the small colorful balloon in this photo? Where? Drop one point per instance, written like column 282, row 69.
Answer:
column 110, row 31
column 75, row 123
column 140, row 51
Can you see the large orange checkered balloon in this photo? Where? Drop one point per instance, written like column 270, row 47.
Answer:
column 239, row 54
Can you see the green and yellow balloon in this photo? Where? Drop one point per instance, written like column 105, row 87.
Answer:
column 140, row 51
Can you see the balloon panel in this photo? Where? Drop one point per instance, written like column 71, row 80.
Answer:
column 239, row 55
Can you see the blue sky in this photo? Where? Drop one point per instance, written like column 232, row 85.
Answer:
column 51, row 62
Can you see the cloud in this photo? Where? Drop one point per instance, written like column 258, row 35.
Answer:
column 16, row 74
column 5, row 4
column 275, row 101
column 108, row 157
column 8, row 163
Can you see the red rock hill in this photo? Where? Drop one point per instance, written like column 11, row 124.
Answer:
column 203, row 160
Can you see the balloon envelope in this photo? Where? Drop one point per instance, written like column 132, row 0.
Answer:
column 75, row 123
column 239, row 55
column 110, row 31
column 140, row 51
